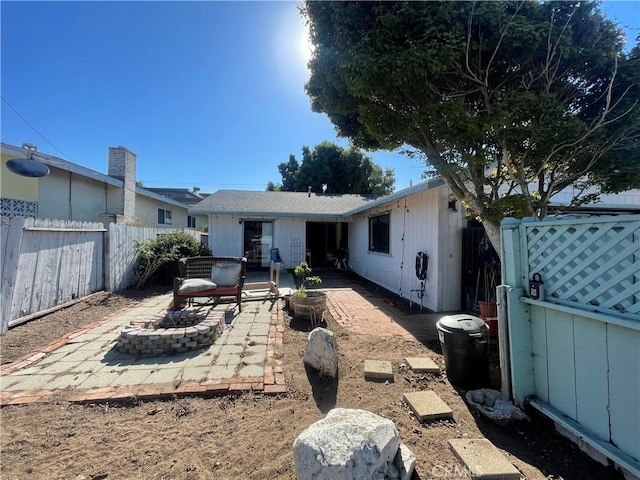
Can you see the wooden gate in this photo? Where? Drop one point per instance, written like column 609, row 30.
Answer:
column 575, row 353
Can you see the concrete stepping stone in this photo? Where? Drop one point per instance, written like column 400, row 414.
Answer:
column 378, row 370
column 422, row 365
column 426, row 405
column 483, row 460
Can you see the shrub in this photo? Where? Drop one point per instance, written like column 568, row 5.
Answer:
column 164, row 251
column 303, row 272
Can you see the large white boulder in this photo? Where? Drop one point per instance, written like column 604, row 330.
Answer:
column 347, row 444
column 405, row 462
column 321, row 353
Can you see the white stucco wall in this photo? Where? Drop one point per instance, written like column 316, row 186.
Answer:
column 147, row 212
column 65, row 195
column 201, row 221
column 421, row 222
column 226, row 235
column 15, row 186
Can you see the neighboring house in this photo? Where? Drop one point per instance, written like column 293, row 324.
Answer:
column 74, row 192
column 380, row 236
column 188, row 197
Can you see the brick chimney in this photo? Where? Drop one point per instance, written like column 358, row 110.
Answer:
column 122, row 165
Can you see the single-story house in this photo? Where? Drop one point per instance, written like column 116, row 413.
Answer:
column 74, row 192
column 380, row 237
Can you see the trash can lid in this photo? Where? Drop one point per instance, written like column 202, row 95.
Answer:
column 461, row 324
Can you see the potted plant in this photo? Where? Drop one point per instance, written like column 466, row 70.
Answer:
column 308, row 305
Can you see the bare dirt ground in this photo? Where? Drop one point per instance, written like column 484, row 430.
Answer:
column 250, row 436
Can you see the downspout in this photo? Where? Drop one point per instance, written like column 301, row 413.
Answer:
column 70, row 202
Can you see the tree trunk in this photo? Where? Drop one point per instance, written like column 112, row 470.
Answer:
column 492, row 228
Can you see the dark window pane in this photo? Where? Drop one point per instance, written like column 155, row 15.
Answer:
column 379, row 233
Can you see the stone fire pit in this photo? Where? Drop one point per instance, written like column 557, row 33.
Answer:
column 174, row 332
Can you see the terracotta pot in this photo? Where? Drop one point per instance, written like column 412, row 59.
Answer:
column 488, row 309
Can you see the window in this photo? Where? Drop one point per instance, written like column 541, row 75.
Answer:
column 164, row 217
column 191, row 221
column 379, row 233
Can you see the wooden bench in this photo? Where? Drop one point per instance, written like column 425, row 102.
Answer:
column 209, row 278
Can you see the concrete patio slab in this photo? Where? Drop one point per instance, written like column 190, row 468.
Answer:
column 60, row 367
column 229, row 360
column 231, row 349
column 203, row 360
column 163, row 375
column 219, row 372
column 250, row 371
column 30, row 382
column 427, row 405
column 378, row 370
column 422, row 365
column 195, row 374
column 66, row 381
column 101, row 379
column 85, row 367
column 254, row 357
column 131, row 377
column 483, row 460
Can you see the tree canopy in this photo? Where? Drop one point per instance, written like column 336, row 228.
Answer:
column 510, row 102
column 340, row 170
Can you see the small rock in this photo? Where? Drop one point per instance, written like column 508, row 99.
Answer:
column 321, row 353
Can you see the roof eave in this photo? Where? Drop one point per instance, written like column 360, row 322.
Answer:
column 267, row 214
column 405, row 192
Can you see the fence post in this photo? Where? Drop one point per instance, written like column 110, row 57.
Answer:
column 518, row 321
column 106, row 256
column 12, row 233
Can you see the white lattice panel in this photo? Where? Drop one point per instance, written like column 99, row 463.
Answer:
column 10, row 207
column 588, row 263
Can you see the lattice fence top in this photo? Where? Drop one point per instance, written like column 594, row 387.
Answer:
column 588, row 263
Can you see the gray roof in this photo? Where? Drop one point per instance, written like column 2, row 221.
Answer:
column 282, row 204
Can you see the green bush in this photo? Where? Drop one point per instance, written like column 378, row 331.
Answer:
column 303, row 272
column 163, row 252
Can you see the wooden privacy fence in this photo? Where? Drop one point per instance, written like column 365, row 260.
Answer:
column 120, row 251
column 45, row 263
column 575, row 353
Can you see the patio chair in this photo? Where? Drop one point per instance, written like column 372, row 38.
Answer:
column 209, row 278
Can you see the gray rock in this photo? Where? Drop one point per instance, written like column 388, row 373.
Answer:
column 321, row 352
column 491, row 404
column 347, row 444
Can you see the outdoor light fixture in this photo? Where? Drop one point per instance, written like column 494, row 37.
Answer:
column 452, row 205
column 28, row 166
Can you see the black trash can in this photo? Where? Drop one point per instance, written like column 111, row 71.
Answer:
column 465, row 346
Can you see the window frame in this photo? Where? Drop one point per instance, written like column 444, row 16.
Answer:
column 378, row 228
column 191, row 221
column 165, row 217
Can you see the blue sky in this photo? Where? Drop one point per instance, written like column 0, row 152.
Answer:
column 207, row 94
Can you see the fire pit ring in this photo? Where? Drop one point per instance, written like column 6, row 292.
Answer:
column 175, row 332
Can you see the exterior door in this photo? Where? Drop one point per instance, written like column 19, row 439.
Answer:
column 258, row 240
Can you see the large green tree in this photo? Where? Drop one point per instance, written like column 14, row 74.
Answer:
column 340, row 170
column 510, row 102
